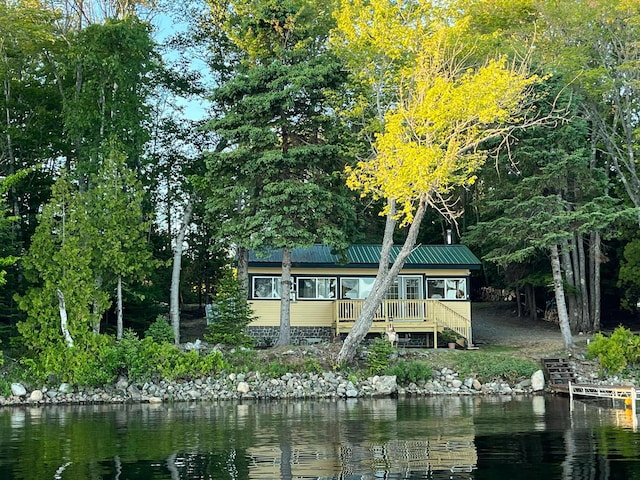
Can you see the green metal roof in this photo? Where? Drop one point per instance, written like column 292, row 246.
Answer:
column 423, row 256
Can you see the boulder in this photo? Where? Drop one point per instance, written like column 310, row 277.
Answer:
column 65, row 388
column 18, row 390
column 243, row 387
column 36, row 396
column 385, row 384
column 537, row 381
column 122, row 383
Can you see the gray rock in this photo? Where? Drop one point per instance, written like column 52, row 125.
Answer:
column 122, row 383
column 197, row 345
column 36, row 396
column 194, row 394
column 65, row 388
column 18, row 390
column 456, row 383
column 537, row 381
column 351, row 393
column 243, row 387
column 385, row 385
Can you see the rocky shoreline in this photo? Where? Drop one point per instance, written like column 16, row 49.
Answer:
column 254, row 386
column 295, row 386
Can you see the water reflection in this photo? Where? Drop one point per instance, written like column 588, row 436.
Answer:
column 425, row 438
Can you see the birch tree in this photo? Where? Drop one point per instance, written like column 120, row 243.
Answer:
column 121, row 251
column 59, row 266
column 431, row 141
column 178, row 247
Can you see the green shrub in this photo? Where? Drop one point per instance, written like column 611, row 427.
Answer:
column 410, row 372
column 312, row 365
column 616, row 352
column 160, row 330
column 92, row 364
column 5, row 387
column 229, row 316
column 146, row 359
column 175, row 364
column 276, row 369
column 243, row 360
column 379, row 356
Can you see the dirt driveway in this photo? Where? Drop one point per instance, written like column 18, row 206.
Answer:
column 498, row 324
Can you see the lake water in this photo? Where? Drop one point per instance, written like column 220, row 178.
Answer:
column 418, row 438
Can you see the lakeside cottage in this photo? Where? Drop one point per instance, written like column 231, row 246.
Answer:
column 328, row 290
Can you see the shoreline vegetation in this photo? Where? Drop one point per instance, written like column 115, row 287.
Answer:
column 296, row 373
column 152, row 369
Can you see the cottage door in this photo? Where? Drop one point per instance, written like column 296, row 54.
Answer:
column 405, row 297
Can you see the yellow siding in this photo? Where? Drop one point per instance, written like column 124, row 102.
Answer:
column 310, row 313
column 303, row 314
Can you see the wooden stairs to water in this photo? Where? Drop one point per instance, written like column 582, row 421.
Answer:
column 558, row 373
column 561, row 378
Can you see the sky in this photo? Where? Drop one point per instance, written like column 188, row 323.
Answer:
column 165, row 27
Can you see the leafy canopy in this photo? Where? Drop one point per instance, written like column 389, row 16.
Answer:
column 432, row 138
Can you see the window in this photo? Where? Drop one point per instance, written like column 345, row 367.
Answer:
column 447, row 288
column 310, row 288
column 406, row 287
column 266, row 287
column 356, row 288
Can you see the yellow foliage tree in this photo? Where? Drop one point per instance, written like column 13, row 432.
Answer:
column 443, row 111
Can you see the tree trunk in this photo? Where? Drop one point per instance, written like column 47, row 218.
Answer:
column 595, row 254
column 119, row 321
column 96, row 308
column 383, row 280
column 174, row 309
column 285, row 300
column 63, row 320
column 243, row 272
column 568, row 265
column 530, row 296
column 558, row 287
column 581, row 282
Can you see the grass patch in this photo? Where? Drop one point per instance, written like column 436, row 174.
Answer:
column 489, row 366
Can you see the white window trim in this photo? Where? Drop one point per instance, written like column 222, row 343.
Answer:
column 342, row 279
column 298, row 289
column 464, row 298
column 274, row 279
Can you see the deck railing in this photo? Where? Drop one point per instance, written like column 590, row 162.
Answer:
column 424, row 315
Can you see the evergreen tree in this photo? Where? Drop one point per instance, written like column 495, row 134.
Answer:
column 274, row 185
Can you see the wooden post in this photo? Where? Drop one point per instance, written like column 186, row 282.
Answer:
column 570, row 397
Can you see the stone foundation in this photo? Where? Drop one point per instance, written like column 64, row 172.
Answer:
column 267, row 336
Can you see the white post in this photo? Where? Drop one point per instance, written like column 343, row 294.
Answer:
column 570, row 397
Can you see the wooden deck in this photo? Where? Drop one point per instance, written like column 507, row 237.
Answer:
column 560, row 377
column 408, row 316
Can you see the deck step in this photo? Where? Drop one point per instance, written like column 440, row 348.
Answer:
column 557, row 371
